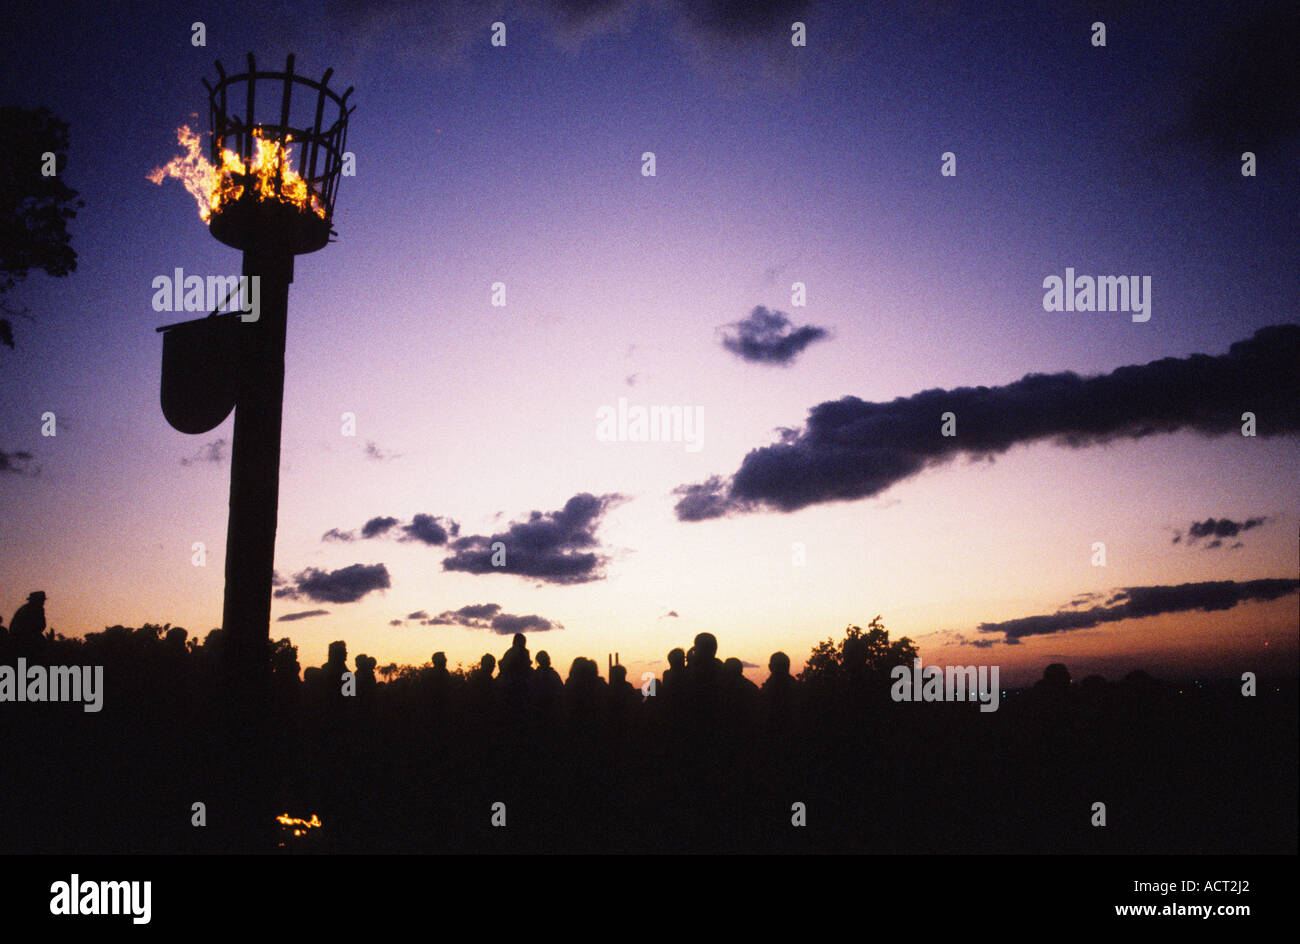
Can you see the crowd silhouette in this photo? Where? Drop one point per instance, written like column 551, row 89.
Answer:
column 698, row 759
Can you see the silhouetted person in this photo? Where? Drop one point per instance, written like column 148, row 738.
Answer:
column 547, row 687
column 366, row 683
column 1056, row 678
column 584, row 691
column 675, row 674
column 439, row 677
column 439, row 663
column 516, row 663
column 778, row 667
column 706, row 668
column 27, row 628
column 779, row 696
column 739, row 693
column 623, row 698
column 336, row 663
column 480, row 687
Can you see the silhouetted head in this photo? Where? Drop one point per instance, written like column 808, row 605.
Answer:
column 677, row 658
column 779, row 664
column 690, row 656
column 733, row 668
column 520, row 641
column 1056, row 677
column 440, row 660
column 543, row 659
column 338, row 652
column 577, row 669
column 36, row 596
column 488, row 663
column 618, row 673
column 706, row 646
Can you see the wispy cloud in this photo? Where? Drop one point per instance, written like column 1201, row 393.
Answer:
column 289, row 617
column 1139, row 602
column 214, row 451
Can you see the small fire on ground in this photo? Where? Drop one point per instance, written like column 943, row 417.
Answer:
column 296, row 826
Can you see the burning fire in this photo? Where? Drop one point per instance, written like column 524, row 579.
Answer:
column 299, row 826
column 215, row 186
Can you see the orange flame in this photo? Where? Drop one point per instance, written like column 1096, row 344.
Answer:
column 214, row 186
column 284, row 819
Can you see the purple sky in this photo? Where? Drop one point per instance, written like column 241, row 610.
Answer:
column 774, row 165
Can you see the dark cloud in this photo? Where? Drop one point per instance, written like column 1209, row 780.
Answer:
column 395, row 622
column 671, row 614
column 769, row 337
column 853, row 448
column 289, row 617
column 377, row 526
column 551, row 546
column 209, row 452
column 1221, row 527
column 473, row 616
column 707, row 499
column 489, row 616
column 346, row 585
column 16, row 462
column 478, row 611
column 1139, row 602
column 429, row 530
column 374, row 452
column 417, row 615
column 507, row 624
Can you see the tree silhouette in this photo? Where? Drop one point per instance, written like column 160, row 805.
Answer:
column 35, row 206
column 860, row 659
